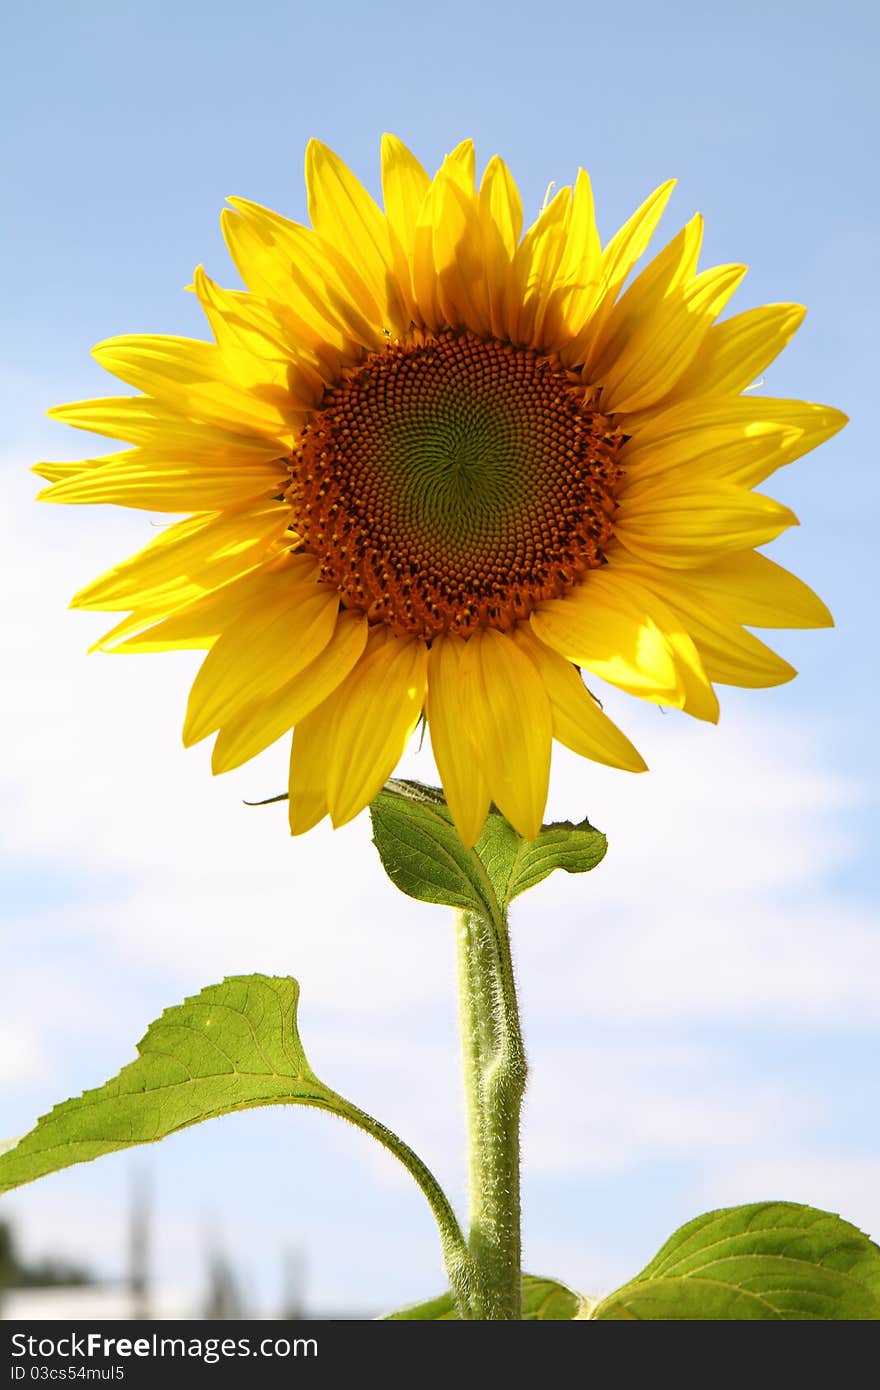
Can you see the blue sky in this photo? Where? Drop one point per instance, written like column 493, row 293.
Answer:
column 702, row 1012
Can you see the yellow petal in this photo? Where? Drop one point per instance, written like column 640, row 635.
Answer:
column 264, row 721
column 618, row 259
column 190, row 375
column 290, row 266
column 285, row 627
column 511, row 726
column 404, row 185
column 578, row 720
column 140, row 420
column 460, row 165
column 740, row 441
column 344, row 214
column 55, row 472
column 377, row 709
column 208, row 549
column 500, row 201
column 501, row 223
column 682, row 525
column 458, row 260
column 751, row 589
column 255, row 344
column 628, row 244
column 148, row 615
column 168, row 482
column 450, row 277
column 198, row 621
column 424, row 274
column 729, row 654
column 464, row 786
column 309, row 758
column 670, row 269
column 734, row 353
column 601, row 626
column 532, row 275
column 577, row 276
column 665, row 343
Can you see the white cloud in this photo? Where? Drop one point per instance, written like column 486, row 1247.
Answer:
column 23, row 1057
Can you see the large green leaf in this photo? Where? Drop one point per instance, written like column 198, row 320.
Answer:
column 231, row 1047
column 768, row 1261
column 544, row 1300
column 424, row 857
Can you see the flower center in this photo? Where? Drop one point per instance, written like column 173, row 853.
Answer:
column 453, row 482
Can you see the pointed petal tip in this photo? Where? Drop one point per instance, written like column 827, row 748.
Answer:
column 237, row 205
column 636, row 763
column 315, row 150
column 529, row 830
column 469, row 834
column 219, row 763
column 301, row 823
column 192, row 731
column 341, row 815
column 664, row 190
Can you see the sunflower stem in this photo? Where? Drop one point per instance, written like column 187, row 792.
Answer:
column 494, row 1082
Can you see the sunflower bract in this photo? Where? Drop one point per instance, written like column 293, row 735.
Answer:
column 431, row 464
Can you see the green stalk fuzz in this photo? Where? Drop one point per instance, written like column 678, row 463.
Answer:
column 495, row 1081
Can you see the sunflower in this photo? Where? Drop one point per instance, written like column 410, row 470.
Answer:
column 433, row 466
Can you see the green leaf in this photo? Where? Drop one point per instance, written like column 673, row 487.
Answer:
column 769, row 1260
column 422, row 853
column 231, row 1047
column 424, row 857
column 544, row 1300
column 514, row 864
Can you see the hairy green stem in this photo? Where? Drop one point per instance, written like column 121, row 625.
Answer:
column 495, row 1080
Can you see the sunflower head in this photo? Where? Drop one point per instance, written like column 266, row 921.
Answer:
column 431, row 464
column 452, row 482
